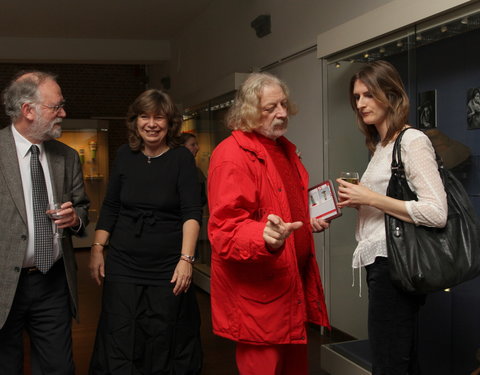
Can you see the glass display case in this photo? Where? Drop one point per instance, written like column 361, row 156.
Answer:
column 439, row 65
column 206, row 122
column 90, row 139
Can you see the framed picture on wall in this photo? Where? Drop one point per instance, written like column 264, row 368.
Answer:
column 427, row 109
column 473, row 108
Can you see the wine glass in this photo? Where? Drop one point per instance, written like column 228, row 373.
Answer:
column 351, row 177
column 52, row 212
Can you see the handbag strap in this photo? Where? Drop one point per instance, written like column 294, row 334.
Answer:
column 397, row 166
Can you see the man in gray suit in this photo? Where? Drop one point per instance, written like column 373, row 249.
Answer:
column 38, row 301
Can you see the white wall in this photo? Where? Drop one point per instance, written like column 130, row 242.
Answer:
column 221, row 41
column 75, row 50
column 305, row 128
column 346, row 151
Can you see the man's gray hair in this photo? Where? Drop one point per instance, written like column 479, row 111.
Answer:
column 23, row 88
column 245, row 112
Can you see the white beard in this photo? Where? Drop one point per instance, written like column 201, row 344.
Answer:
column 274, row 130
column 44, row 130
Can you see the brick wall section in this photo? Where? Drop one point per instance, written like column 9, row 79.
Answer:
column 91, row 91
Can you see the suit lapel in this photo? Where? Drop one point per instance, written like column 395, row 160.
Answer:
column 11, row 171
column 56, row 164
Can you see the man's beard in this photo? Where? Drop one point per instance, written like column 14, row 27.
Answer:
column 44, row 130
column 277, row 129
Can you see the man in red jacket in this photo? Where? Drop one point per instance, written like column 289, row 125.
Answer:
column 265, row 283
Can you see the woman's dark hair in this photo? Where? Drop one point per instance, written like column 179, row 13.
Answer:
column 184, row 137
column 386, row 87
column 153, row 102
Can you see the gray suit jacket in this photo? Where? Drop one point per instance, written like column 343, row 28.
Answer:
column 67, row 183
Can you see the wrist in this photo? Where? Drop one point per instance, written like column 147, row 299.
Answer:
column 188, row 258
column 98, row 245
column 374, row 200
column 274, row 249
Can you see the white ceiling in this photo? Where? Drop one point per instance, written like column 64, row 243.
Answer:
column 99, row 19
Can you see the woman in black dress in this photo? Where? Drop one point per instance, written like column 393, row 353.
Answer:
column 150, row 218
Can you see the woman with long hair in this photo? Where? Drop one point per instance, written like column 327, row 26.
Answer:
column 381, row 105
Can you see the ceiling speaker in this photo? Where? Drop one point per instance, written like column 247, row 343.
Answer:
column 261, row 24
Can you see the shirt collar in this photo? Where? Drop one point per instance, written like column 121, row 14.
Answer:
column 23, row 144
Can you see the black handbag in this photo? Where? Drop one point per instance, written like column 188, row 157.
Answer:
column 424, row 259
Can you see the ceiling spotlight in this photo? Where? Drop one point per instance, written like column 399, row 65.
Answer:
column 399, row 43
column 419, row 37
column 444, row 28
column 337, row 65
column 382, row 50
column 365, row 55
column 464, row 21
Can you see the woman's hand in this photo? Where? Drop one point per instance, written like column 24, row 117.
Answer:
column 97, row 264
column 182, row 277
column 352, row 195
column 319, row 225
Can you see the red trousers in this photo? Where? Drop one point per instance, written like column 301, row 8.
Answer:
column 288, row 359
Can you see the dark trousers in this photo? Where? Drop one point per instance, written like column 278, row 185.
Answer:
column 41, row 307
column 392, row 323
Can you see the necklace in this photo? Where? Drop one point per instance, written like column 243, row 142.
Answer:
column 149, row 158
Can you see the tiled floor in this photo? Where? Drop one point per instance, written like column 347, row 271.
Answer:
column 219, row 353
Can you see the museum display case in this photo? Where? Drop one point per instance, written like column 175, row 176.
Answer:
column 90, row 139
column 439, row 64
column 206, row 122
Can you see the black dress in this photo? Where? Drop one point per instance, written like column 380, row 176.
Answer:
column 144, row 328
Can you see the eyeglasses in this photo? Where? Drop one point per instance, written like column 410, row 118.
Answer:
column 55, row 108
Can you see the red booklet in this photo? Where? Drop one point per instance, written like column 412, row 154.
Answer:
column 322, row 201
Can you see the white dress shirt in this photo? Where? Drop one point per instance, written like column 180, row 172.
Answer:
column 23, row 154
column 423, row 178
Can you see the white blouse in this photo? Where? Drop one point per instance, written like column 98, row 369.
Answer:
column 423, row 178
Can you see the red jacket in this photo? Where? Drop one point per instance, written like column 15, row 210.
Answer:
column 258, row 297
